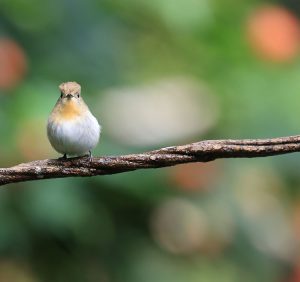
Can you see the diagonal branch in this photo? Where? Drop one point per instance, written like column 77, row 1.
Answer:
column 203, row 151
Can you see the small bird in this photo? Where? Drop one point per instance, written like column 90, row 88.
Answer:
column 71, row 128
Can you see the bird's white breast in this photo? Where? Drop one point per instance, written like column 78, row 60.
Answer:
column 74, row 136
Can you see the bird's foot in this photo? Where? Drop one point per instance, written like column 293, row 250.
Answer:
column 90, row 157
column 63, row 158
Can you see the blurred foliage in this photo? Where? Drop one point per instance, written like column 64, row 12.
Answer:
column 155, row 73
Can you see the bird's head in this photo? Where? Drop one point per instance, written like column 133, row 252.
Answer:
column 70, row 91
column 70, row 104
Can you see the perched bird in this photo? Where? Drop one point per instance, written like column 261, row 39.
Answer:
column 71, row 127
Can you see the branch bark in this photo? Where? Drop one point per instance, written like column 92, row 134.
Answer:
column 203, row 151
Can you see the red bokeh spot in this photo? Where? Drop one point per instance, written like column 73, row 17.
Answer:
column 295, row 277
column 13, row 64
column 195, row 176
column 274, row 33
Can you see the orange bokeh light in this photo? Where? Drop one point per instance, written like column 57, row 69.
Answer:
column 39, row 150
column 274, row 33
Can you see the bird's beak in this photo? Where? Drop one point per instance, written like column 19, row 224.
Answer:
column 69, row 96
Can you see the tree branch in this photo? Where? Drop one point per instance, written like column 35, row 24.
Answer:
column 203, row 151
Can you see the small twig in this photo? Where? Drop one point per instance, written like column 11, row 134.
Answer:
column 203, row 151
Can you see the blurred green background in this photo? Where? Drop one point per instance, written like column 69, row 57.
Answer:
column 155, row 73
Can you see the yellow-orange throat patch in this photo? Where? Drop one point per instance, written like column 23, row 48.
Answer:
column 70, row 110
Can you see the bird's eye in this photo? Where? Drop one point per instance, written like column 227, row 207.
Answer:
column 77, row 95
column 61, row 94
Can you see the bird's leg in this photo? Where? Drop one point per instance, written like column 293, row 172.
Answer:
column 64, row 157
column 90, row 155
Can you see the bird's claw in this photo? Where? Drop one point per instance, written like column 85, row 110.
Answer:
column 63, row 158
column 89, row 156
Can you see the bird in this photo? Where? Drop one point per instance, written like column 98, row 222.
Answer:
column 72, row 129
